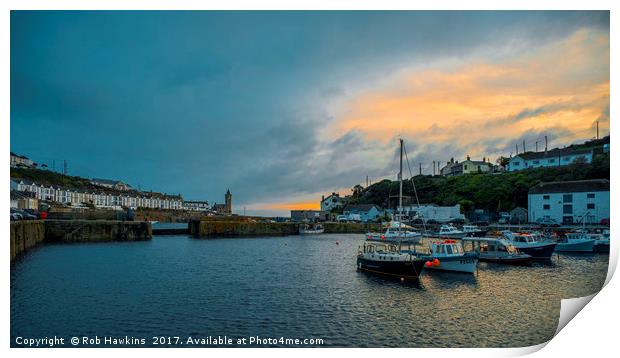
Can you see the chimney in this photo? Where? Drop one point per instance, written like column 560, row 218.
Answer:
column 468, row 157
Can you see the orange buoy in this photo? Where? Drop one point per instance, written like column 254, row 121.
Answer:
column 427, row 264
column 436, row 262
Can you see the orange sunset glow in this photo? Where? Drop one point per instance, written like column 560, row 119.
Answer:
column 561, row 88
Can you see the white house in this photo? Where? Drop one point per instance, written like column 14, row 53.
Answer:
column 467, row 166
column 552, row 158
column 101, row 199
column 367, row 212
column 570, row 201
column 331, row 202
column 18, row 161
column 191, row 205
column 434, row 212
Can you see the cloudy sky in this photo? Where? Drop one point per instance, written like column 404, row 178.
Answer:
column 283, row 106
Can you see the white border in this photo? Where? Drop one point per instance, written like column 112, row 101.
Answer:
column 592, row 332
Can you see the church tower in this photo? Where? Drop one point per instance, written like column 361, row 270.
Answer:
column 228, row 205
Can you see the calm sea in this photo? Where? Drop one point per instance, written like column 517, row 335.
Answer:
column 290, row 287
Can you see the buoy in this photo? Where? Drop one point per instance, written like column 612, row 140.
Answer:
column 337, row 242
column 382, row 237
column 435, row 262
column 427, row 264
column 402, row 280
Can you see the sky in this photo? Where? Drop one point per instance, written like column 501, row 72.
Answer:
column 281, row 107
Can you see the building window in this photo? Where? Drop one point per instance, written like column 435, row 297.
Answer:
column 516, row 164
column 545, row 197
column 465, row 167
column 568, row 198
column 591, row 206
column 546, row 207
column 591, row 196
column 568, row 209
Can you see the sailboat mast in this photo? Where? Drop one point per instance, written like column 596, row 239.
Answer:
column 400, row 179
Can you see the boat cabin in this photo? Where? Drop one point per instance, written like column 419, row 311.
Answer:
column 490, row 245
column 446, row 248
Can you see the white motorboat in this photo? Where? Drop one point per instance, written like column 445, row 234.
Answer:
column 452, row 257
column 396, row 232
column 532, row 244
column 449, row 231
column 311, row 229
column 496, row 250
column 576, row 242
column 474, row 231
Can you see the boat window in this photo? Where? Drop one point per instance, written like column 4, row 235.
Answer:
column 449, row 249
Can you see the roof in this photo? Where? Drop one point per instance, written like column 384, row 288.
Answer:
column 105, row 181
column 360, row 207
column 553, row 153
column 576, row 186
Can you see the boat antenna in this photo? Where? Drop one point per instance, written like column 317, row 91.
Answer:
column 415, row 192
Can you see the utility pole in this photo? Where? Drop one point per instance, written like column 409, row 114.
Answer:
column 420, row 168
column 517, row 149
column 545, row 143
column 524, row 146
column 54, row 165
column 433, row 168
column 64, row 168
column 367, row 181
column 596, row 129
column 537, row 146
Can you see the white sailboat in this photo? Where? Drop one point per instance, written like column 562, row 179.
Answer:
column 396, row 230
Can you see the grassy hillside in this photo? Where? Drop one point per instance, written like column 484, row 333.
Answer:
column 48, row 177
column 493, row 192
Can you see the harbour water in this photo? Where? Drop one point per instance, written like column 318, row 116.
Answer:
column 292, row 287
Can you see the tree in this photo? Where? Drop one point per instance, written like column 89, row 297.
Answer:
column 502, row 161
column 357, row 191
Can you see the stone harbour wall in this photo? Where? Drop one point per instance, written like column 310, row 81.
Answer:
column 29, row 233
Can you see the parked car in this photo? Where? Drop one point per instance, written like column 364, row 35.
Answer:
column 457, row 221
column 341, row 218
column 547, row 222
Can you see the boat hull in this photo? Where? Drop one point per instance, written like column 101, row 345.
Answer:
column 465, row 264
column 409, row 270
column 601, row 247
column 583, row 246
column 538, row 252
column 508, row 260
column 480, row 233
column 311, row 232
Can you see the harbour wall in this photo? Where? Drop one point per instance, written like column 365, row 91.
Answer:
column 350, row 228
column 26, row 235
column 206, row 228
column 29, row 233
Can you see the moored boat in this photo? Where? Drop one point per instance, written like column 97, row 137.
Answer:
column 531, row 244
column 452, row 257
column 474, row 231
column 396, row 232
column 389, row 260
column 576, row 242
column 449, row 231
column 602, row 242
column 497, row 250
column 315, row 229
